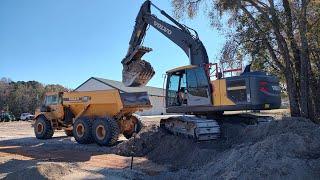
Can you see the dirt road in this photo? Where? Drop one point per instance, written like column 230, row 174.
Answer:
column 22, row 155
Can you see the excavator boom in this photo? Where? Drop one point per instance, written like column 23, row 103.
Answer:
column 136, row 71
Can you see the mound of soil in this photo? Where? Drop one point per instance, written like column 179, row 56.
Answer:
column 147, row 140
column 288, row 148
column 280, row 149
column 41, row 171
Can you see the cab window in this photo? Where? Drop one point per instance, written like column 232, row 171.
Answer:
column 176, row 88
column 173, row 89
column 197, row 82
column 51, row 100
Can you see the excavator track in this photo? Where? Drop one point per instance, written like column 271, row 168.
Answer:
column 192, row 127
column 201, row 129
column 244, row 118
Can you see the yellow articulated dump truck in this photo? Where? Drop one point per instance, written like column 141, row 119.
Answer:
column 91, row 116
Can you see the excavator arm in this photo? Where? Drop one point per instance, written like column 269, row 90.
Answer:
column 137, row 72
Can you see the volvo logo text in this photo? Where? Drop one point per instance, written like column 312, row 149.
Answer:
column 162, row 28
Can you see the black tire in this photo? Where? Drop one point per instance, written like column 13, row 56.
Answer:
column 68, row 132
column 6, row 119
column 43, row 128
column 139, row 127
column 105, row 131
column 82, row 131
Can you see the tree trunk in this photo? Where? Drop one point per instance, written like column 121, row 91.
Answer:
column 293, row 98
column 293, row 44
column 315, row 84
column 305, row 100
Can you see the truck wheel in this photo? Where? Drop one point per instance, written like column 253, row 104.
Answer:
column 82, row 131
column 139, row 125
column 43, row 128
column 6, row 119
column 105, row 131
column 68, row 132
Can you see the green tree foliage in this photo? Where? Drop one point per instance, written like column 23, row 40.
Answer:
column 19, row 97
column 279, row 36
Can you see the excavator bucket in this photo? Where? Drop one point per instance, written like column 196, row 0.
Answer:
column 137, row 72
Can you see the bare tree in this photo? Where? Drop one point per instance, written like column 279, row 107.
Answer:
column 284, row 29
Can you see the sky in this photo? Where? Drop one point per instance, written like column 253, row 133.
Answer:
column 67, row 42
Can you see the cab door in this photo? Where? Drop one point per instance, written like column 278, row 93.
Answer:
column 198, row 87
column 54, row 106
column 173, row 89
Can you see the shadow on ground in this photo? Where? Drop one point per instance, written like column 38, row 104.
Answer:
column 57, row 149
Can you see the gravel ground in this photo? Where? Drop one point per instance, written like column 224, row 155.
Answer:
column 22, row 156
column 282, row 149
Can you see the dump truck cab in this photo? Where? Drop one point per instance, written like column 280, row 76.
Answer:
column 51, row 106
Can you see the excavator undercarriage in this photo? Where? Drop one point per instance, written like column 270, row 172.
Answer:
column 201, row 128
column 192, row 127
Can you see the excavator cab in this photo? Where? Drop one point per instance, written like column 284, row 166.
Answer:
column 188, row 86
column 189, row 90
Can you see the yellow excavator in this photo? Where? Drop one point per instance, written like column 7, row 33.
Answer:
column 190, row 89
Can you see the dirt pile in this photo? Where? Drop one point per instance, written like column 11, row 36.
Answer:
column 280, row 149
column 287, row 148
column 41, row 171
column 147, row 140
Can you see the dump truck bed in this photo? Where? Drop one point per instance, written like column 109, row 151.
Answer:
column 135, row 99
column 106, row 102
